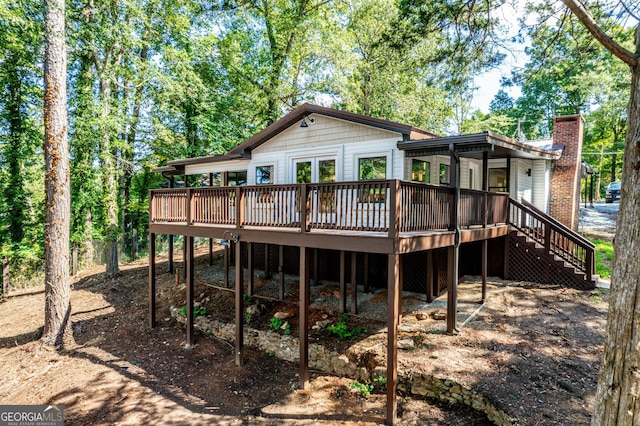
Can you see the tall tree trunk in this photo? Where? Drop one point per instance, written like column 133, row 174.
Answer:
column 57, row 320
column 107, row 161
column 128, row 152
column 614, row 166
column 87, row 250
column 14, row 192
column 618, row 393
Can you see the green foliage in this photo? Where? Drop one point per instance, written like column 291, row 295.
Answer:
column 343, row 331
column 381, row 379
column 364, row 388
column 277, row 323
column 198, row 311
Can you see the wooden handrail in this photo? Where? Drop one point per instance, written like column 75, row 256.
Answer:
column 582, row 258
column 389, row 206
column 560, row 227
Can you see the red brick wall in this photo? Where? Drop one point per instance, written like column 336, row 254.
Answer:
column 564, row 199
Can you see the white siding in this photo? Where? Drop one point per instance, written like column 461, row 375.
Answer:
column 524, row 182
column 223, row 166
column 541, row 174
column 324, row 131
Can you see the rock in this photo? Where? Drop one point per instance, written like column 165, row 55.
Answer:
column 283, row 315
column 319, row 325
column 379, row 372
column 419, row 390
column 439, row 315
column 421, row 316
column 406, row 344
column 253, row 310
column 363, row 374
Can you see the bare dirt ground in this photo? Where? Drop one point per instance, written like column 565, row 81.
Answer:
column 532, row 350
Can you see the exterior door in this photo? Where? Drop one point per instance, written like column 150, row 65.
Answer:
column 315, row 170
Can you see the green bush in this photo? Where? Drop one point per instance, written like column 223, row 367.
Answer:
column 277, row 323
column 343, row 331
column 197, row 311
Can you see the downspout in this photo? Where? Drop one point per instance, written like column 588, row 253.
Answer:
column 452, row 291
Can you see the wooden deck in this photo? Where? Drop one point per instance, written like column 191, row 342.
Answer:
column 383, row 216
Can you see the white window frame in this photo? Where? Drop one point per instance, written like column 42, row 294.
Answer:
column 314, row 158
column 389, row 162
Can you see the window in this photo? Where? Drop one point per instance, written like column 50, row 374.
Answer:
column 314, row 170
column 303, row 172
column 445, row 178
column 326, row 171
column 498, row 180
column 420, row 171
column 237, row 178
column 263, row 175
column 372, row 168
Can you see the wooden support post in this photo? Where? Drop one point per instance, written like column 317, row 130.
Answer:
column 188, row 262
column 210, row 251
column 507, row 242
column 152, row 280
column 226, row 264
column 184, row 257
column 170, row 255
column 281, row 271
column 239, row 307
column 354, row 285
column 315, row 267
column 400, row 285
column 267, row 262
column 170, row 249
column 452, row 291
column 393, row 310
column 366, row 273
column 303, row 336
column 508, row 174
column 343, row 284
column 430, row 289
column 250, row 271
column 485, row 249
column 485, row 187
column 74, row 259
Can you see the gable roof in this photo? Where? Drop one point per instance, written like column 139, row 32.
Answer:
column 306, row 109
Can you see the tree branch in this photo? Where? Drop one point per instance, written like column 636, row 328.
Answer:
column 592, row 26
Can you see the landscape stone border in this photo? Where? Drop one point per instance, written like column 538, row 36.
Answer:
column 286, row 347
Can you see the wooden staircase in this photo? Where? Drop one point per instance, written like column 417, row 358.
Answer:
column 541, row 249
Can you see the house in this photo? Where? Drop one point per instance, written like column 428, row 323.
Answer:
column 401, row 207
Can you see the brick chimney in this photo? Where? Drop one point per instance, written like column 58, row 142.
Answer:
column 564, row 197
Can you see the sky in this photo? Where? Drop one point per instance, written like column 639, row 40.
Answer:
column 488, row 83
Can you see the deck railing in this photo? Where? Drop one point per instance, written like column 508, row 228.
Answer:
column 387, row 206
column 424, row 207
column 168, row 205
column 556, row 238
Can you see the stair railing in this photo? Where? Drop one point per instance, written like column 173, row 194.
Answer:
column 553, row 236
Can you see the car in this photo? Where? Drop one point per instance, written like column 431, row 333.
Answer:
column 613, row 192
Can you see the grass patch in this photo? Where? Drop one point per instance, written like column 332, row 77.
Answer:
column 604, row 257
